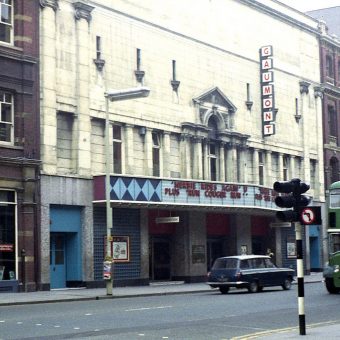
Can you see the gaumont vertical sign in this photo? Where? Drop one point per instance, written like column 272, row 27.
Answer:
column 267, row 90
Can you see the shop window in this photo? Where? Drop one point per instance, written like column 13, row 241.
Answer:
column 6, row 118
column 156, row 154
column 7, row 235
column 6, row 20
column 117, row 148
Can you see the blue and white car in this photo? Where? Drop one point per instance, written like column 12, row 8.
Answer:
column 253, row 272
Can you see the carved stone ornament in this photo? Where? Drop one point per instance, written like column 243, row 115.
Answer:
column 304, row 85
column 175, row 84
column 82, row 11
column 318, row 92
column 99, row 64
column 139, row 75
column 49, row 3
column 249, row 104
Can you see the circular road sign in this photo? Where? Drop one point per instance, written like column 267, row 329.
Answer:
column 308, row 216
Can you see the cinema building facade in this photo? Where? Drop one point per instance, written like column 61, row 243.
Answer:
column 192, row 165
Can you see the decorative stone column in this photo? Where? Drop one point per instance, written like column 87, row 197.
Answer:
column 148, row 153
column 291, row 169
column 222, row 162
column 242, row 163
column 320, row 189
column 198, row 166
column 166, row 155
column 231, row 163
column 280, row 166
column 268, row 176
column 256, row 165
column 129, row 154
column 206, row 167
column 83, row 17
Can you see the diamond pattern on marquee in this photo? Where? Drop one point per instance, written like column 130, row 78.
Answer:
column 135, row 189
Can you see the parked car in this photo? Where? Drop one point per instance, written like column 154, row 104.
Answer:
column 253, row 272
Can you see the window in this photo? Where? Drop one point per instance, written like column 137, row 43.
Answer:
column 261, row 168
column 117, row 148
column 285, row 167
column 334, row 169
column 212, row 161
column 329, row 67
column 64, row 141
column 334, row 198
column 6, row 118
column 7, row 235
column 332, row 121
column 312, row 173
column 155, row 154
column 6, row 20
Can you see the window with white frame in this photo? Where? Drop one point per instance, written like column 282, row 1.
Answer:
column 6, row 20
column 7, row 117
column 156, row 154
column 117, row 148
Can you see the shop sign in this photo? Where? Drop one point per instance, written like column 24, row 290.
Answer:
column 170, row 219
column 267, row 90
column 205, row 193
column 9, row 248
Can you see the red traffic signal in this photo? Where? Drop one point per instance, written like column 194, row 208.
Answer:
column 294, row 188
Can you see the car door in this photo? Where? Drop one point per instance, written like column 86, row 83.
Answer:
column 274, row 274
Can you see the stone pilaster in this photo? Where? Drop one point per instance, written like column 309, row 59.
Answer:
column 256, row 164
column 48, row 107
column 148, row 152
column 166, row 155
column 198, row 166
column 268, row 176
column 129, row 154
column 222, row 162
column 83, row 124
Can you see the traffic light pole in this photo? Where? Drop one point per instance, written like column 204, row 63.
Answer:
column 300, row 278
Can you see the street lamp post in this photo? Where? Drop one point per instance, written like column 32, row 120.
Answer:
column 114, row 95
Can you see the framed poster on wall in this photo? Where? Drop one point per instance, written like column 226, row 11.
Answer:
column 120, row 248
column 291, row 247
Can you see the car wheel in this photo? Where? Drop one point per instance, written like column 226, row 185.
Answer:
column 330, row 286
column 287, row 283
column 253, row 287
column 224, row 290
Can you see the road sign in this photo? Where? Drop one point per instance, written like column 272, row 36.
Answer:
column 310, row 215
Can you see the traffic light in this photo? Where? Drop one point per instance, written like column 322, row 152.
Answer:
column 293, row 199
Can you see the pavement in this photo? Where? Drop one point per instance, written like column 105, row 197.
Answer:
column 330, row 330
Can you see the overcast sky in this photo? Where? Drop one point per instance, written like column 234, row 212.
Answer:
column 309, row 5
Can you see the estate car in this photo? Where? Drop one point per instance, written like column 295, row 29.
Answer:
column 253, row 272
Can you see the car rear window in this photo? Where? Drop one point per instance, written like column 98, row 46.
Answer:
column 225, row 264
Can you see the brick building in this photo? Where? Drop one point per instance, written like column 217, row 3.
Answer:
column 19, row 145
column 192, row 166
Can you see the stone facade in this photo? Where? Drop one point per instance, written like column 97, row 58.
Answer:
column 201, row 122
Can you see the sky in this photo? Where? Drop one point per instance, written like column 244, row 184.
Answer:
column 310, row 5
